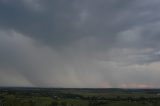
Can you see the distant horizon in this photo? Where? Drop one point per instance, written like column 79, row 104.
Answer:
column 69, row 88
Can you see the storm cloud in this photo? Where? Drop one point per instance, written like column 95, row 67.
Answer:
column 80, row 43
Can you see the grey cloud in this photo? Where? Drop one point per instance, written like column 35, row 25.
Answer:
column 74, row 43
column 60, row 21
column 150, row 58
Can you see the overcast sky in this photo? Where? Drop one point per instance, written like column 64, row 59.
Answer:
column 80, row 43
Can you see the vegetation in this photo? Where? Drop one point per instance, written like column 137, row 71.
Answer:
column 78, row 97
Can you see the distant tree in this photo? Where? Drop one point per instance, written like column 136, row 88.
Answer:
column 32, row 103
column 11, row 101
column 63, row 103
column 54, row 103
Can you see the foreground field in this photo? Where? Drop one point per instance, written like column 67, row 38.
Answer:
column 78, row 97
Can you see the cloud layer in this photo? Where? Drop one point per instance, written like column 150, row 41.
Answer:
column 86, row 43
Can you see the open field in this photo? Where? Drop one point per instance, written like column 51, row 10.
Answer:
column 78, row 97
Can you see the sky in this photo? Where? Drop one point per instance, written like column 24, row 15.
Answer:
column 80, row 43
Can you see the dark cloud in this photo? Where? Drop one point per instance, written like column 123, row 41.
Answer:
column 55, row 25
column 62, row 22
column 57, row 43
